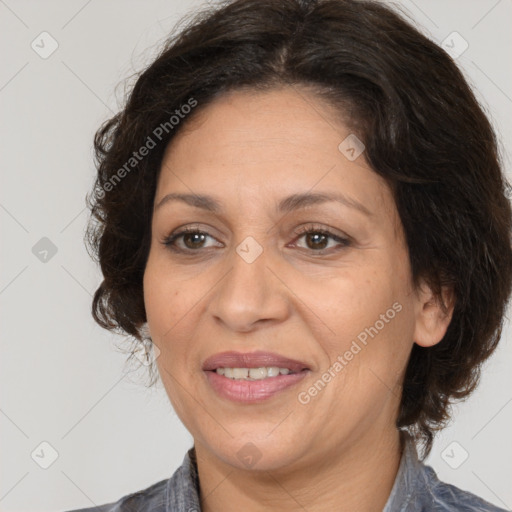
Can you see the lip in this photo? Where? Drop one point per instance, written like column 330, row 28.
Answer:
column 246, row 391
column 252, row 360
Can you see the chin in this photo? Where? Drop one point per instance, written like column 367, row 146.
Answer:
column 257, row 453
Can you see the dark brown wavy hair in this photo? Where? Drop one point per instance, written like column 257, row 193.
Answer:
column 424, row 132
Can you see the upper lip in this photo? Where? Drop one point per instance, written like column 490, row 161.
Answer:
column 252, row 360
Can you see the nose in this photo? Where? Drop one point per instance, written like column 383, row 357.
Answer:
column 250, row 294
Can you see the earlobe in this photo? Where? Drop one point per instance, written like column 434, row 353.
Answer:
column 432, row 319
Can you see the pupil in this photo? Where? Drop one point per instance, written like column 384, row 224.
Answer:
column 314, row 236
column 191, row 235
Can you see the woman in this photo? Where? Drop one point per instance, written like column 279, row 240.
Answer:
column 302, row 208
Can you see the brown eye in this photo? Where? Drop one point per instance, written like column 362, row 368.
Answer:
column 317, row 239
column 192, row 239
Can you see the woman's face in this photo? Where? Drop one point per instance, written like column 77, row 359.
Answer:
column 337, row 310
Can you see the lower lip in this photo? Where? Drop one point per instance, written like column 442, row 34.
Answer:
column 252, row 391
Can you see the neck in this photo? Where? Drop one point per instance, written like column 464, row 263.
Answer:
column 358, row 477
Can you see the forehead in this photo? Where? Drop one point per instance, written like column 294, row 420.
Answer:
column 286, row 118
column 265, row 145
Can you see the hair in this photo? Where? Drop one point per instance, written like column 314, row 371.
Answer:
column 424, row 131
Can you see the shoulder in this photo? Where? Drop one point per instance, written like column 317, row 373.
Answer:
column 444, row 497
column 418, row 489
column 151, row 498
column 179, row 492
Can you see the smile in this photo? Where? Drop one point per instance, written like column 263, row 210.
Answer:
column 263, row 372
column 246, row 390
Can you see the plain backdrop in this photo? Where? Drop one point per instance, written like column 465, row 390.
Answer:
column 67, row 400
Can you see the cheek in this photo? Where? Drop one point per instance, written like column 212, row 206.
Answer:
column 372, row 352
column 356, row 299
column 155, row 298
column 164, row 304
column 174, row 304
column 372, row 318
column 166, row 314
column 163, row 293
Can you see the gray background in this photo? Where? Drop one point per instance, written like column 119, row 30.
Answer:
column 63, row 379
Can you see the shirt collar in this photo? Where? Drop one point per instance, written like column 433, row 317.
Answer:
column 183, row 486
column 406, row 480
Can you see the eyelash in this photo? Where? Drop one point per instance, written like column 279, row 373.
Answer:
column 305, row 230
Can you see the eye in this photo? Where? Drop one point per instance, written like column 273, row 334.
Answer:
column 191, row 237
column 317, row 239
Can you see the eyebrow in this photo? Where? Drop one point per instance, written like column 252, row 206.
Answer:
column 288, row 204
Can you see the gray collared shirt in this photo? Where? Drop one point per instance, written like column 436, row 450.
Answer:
column 416, row 489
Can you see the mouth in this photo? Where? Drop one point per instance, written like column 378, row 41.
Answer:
column 260, row 373
column 252, row 377
column 262, row 364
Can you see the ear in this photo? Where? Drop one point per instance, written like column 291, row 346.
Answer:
column 432, row 320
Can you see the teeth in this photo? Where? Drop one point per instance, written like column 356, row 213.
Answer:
column 252, row 373
column 240, row 373
column 273, row 371
column 258, row 373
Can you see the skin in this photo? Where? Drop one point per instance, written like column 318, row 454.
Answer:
column 341, row 450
